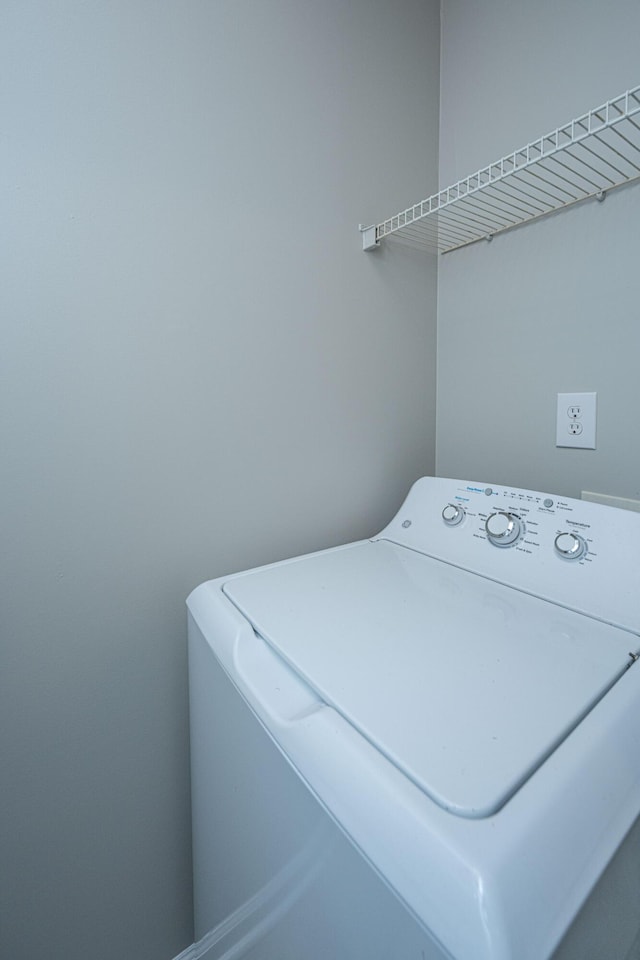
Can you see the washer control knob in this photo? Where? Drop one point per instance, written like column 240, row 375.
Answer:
column 503, row 529
column 453, row 514
column 570, row 546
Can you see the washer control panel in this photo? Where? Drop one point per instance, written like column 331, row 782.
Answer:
column 517, row 521
column 582, row 555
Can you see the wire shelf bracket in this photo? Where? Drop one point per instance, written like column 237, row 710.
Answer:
column 585, row 158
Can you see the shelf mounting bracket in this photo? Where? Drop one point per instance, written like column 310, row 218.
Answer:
column 369, row 241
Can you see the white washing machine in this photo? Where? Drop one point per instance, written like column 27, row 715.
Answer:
column 424, row 745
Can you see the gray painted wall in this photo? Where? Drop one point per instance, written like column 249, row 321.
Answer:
column 553, row 306
column 201, row 371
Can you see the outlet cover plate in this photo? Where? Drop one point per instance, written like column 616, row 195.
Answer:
column 576, row 420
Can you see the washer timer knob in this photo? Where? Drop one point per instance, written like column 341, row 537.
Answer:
column 503, row 529
column 570, row 546
column 453, row 514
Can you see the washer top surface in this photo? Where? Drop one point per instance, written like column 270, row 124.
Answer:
column 465, row 684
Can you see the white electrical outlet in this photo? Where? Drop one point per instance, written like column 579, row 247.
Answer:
column 576, row 420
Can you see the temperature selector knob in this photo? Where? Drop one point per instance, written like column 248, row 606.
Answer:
column 570, row 546
column 503, row 529
column 453, row 514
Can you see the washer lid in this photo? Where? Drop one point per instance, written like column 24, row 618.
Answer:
column 464, row 684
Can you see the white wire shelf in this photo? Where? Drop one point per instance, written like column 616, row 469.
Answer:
column 584, row 158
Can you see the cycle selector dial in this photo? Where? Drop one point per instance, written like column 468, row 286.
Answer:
column 503, row 529
column 570, row 546
column 453, row 514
